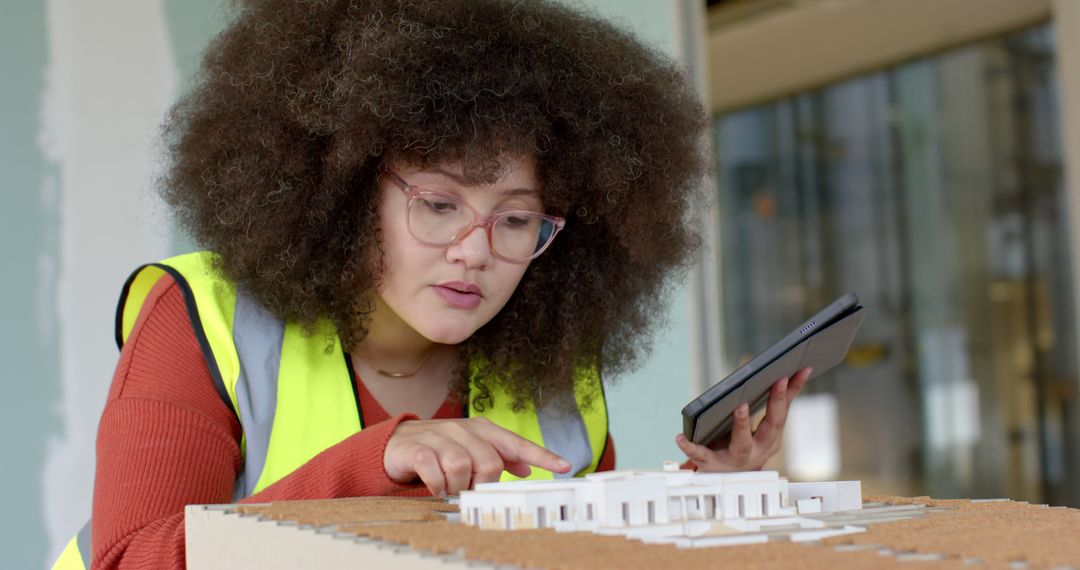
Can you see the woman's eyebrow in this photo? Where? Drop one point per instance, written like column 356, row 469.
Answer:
column 460, row 180
column 457, row 178
column 519, row 191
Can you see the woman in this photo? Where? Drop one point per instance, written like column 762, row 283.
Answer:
column 434, row 226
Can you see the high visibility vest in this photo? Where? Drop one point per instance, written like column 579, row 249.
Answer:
column 294, row 392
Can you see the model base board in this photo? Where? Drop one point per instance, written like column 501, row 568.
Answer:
column 427, row 533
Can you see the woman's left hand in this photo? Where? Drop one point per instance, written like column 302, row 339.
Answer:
column 745, row 449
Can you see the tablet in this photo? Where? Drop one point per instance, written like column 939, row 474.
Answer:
column 821, row 342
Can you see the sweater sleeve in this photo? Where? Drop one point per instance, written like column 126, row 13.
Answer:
column 167, row 440
column 607, row 460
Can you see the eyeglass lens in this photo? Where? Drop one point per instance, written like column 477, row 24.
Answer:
column 439, row 220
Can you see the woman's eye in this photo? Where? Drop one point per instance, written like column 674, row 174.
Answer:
column 517, row 221
column 437, row 205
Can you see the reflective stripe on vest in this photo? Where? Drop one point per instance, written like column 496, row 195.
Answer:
column 294, row 392
column 258, row 337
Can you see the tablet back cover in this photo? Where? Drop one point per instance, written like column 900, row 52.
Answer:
column 821, row 351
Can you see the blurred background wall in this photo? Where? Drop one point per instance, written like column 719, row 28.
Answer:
column 84, row 91
column 921, row 153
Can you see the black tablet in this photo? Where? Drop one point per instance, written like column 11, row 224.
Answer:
column 821, row 342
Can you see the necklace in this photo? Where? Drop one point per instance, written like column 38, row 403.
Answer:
column 409, row 373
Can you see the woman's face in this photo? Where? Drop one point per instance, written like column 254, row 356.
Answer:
column 446, row 293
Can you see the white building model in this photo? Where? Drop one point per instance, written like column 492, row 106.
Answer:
column 670, row 506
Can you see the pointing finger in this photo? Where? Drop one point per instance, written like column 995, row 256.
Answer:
column 487, row 466
column 517, row 468
column 514, row 448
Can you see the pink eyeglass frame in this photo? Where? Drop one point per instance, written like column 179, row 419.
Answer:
column 479, row 221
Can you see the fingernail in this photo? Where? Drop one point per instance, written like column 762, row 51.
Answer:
column 564, row 464
column 782, row 384
column 742, row 410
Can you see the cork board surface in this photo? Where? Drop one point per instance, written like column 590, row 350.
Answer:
column 956, row 534
column 355, row 510
column 998, row 532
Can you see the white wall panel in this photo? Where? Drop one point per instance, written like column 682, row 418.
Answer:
column 109, row 79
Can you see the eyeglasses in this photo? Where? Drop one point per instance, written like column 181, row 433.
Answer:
column 440, row 219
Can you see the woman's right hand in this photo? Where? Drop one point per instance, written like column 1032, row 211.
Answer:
column 450, row 456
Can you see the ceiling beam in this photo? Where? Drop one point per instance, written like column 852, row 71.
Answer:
column 788, row 46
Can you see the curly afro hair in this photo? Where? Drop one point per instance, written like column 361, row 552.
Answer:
column 298, row 103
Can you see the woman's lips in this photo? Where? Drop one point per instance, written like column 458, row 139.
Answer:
column 459, row 299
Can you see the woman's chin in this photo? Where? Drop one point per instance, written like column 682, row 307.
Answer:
column 451, row 335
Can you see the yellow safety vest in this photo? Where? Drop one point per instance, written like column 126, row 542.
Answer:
column 295, row 394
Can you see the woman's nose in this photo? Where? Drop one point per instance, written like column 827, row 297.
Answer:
column 474, row 250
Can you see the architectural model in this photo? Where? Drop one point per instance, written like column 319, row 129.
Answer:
column 673, row 506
